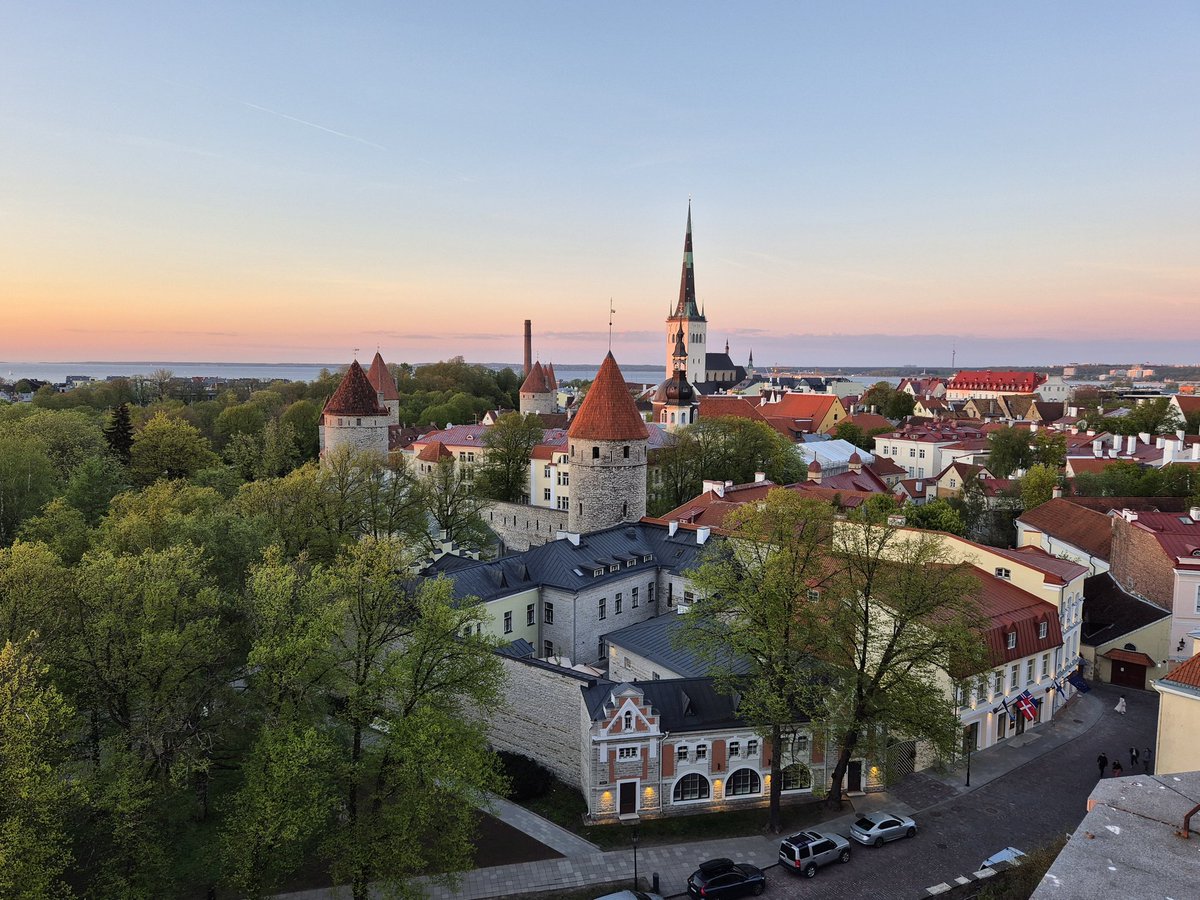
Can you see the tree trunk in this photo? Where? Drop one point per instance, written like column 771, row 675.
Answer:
column 774, row 820
column 834, row 799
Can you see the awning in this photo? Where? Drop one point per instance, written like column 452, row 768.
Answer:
column 1136, row 657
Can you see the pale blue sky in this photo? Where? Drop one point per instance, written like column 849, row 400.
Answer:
column 288, row 181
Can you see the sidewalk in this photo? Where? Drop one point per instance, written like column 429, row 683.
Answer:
column 584, row 864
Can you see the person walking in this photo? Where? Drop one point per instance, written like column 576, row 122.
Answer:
column 1117, row 769
column 1102, row 762
column 1146, row 757
column 1133, row 757
column 1120, row 707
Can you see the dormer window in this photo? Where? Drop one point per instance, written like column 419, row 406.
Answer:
column 616, row 568
column 628, row 722
column 1004, row 573
column 1043, row 630
column 1011, row 642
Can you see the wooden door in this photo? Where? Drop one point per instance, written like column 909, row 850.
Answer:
column 628, row 798
column 1128, row 675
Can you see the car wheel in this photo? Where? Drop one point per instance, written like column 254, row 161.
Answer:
column 844, row 856
column 756, row 890
column 912, row 831
column 878, row 842
column 810, row 870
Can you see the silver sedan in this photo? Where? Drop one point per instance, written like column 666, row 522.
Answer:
column 875, row 828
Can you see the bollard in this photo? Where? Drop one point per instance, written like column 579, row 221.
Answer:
column 654, row 884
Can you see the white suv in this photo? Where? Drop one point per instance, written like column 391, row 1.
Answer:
column 808, row 850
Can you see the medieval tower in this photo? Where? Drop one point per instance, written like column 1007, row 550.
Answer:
column 607, row 441
column 355, row 417
column 537, row 393
column 688, row 317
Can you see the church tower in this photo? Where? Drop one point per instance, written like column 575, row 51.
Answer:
column 607, row 440
column 687, row 316
column 674, row 401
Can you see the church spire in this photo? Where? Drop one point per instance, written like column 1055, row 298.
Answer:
column 686, row 307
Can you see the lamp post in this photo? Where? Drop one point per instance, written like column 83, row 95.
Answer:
column 969, row 749
column 633, row 839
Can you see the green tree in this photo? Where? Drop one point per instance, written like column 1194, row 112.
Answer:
column 60, row 527
column 37, row 799
column 1050, row 449
column 936, row 515
column 303, row 416
column 756, row 612
column 69, row 437
column 242, row 419
column 93, row 484
column 504, row 474
column 1008, row 450
column 889, row 402
column 27, row 481
column 454, row 507
column 33, row 583
column 166, row 448
column 1038, row 486
column 118, row 432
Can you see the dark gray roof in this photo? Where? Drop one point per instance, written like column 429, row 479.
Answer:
column 519, row 649
column 1109, row 612
column 564, row 565
column 655, row 639
column 682, row 704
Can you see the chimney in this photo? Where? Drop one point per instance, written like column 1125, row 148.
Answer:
column 1145, row 436
column 1181, row 434
column 1168, row 449
column 672, row 527
column 1196, row 451
column 716, row 487
column 1131, row 443
column 571, row 536
column 702, row 534
column 1097, row 447
column 1194, row 512
column 1159, row 441
column 1057, row 492
column 528, row 347
column 759, row 477
column 1033, row 427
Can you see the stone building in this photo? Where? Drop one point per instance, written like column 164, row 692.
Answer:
column 537, row 392
column 355, row 417
column 607, row 443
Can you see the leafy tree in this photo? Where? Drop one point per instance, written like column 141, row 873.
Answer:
column 303, row 416
column 161, row 380
column 93, row 484
column 1038, row 486
column 37, row 799
column 756, row 610
column 60, row 527
column 165, row 448
column 936, row 515
column 453, row 505
column 33, row 582
column 280, row 450
column 118, row 432
column 896, row 619
column 848, row 431
column 68, row 436
column 504, row 474
column 1050, row 449
column 888, row 401
column 27, row 481
column 242, row 419
column 1008, row 450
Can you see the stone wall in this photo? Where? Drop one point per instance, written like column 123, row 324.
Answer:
column 608, row 488
column 1140, row 566
column 540, row 716
column 537, row 403
column 521, row 526
column 371, row 434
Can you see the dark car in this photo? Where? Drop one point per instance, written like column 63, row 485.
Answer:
column 719, row 878
column 806, row 851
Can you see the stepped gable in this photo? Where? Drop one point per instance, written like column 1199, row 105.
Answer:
column 355, row 396
column 535, row 382
column 608, row 412
column 381, row 379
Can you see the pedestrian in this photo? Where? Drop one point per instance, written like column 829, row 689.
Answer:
column 1133, row 757
column 1146, row 757
column 1116, row 769
column 1102, row 762
column 1120, row 707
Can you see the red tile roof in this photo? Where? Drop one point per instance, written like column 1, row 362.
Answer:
column 381, row 379
column 1087, row 529
column 608, row 412
column 868, row 421
column 535, row 381
column 1188, row 403
column 716, row 406
column 355, row 396
column 801, row 406
column 1009, row 609
column 1016, row 382
column 1130, row 656
column 1187, row 674
column 434, row 451
column 1054, row 570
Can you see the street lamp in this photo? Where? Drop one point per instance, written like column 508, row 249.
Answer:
column 633, row 839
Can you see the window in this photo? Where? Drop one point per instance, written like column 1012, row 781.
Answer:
column 548, row 650
column 595, row 453
column 564, row 478
column 701, row 751
column 629, row 563
column 953, row 482
column 1011, row 640
column 1014, row 678
column 564, row 503
column 681, row 753
column 650, row 592
column 628, row 721
column 358, row 421
column 962, row 695
column 1045, row 664
column 734, row 748
column 670, row 594
column 617, row 604
column 980, row 691
column 814, row 594
column 998, row 683
column 634, row 597
column 800, row 743
column 625, row 451
column 548, row 613
column 627, row 753
column 692, row 786
column 751, row 748
column 912, row 452
column 688, row 597
column 1198, row 599
column 600, row 649
column 743, row 782
column 615, row 568
column 1043, row 630
column 797, row 777
column 1002, row 572
column 1001, row 727
column 921, row 454
column 508, row 622
column 1029, row 672
column 545, row 493
column 603, row 607
column 546, row 471
column 529, row 614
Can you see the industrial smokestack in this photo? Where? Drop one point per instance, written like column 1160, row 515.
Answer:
column 528, row 347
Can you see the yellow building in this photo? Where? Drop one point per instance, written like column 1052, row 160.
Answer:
column 1176, row 746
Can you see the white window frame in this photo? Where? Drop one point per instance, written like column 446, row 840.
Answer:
column 1010, row 640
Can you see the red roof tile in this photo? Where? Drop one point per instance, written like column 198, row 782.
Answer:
column 716, row 406
column 608, row 413
column 1187, row 674
column 988, row 380
column 535, row 381
column 1087, row 529
column 434, row 451
column 1009, row 609
column 381, row 379
column 355, row 396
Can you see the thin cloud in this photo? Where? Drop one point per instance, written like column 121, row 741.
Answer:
column 349, row 137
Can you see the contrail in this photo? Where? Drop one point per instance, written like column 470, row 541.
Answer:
column 343, row 134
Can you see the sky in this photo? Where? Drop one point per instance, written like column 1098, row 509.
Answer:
column 871, row 183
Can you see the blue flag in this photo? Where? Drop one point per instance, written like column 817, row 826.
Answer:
column 1078, row 683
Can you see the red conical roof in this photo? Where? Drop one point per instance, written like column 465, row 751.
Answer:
column 355, row 396
column 381, row 379
column 535, row 383
column 608, row 412
column 551, row 380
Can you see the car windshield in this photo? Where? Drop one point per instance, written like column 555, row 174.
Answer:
column 864, row 824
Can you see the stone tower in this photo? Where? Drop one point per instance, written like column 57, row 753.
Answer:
column 607, row 441
column 385, row 387
column 537, row 396
column 688, row 317
column 353, row 417
column 674, row 402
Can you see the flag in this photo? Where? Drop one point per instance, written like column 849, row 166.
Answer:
column 1078, row 682
column 1027, row 706
column 1012, row 716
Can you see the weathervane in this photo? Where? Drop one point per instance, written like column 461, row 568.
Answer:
column 611, row 312
column 356, row 353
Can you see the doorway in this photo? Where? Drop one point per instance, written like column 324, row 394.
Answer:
column 854, row 775
column 628, row 804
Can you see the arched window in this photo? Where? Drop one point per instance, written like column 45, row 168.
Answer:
column 743, row 782
column 797, row 777
column 692, row 786
column 629, row 721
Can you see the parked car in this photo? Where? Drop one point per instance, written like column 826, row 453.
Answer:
column 808, row 850
column 720, row 878
column 1008, row 854
column 631, row 895
column 875, row 828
